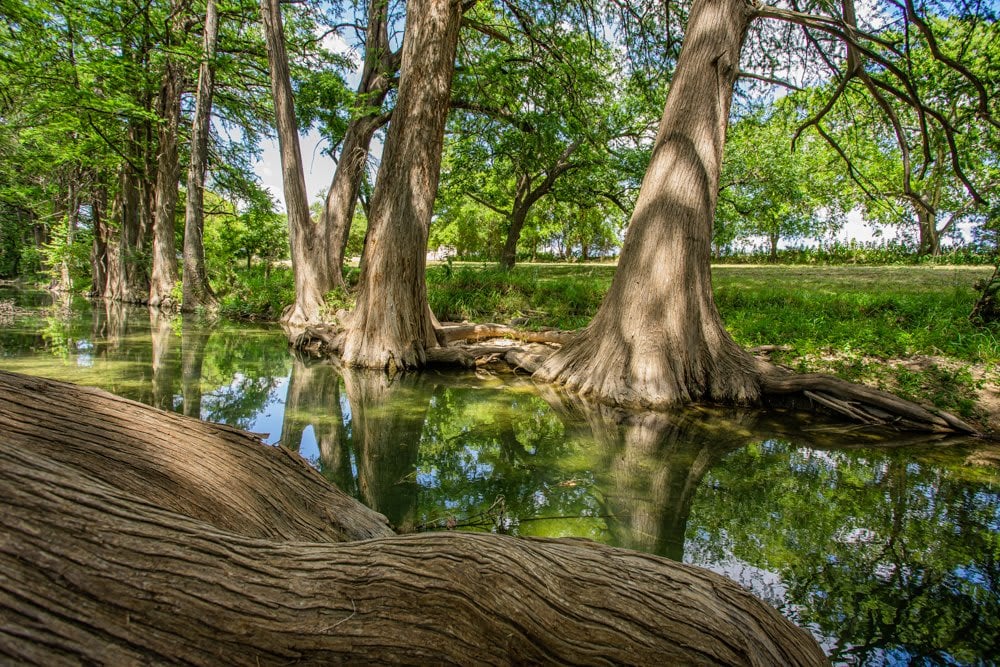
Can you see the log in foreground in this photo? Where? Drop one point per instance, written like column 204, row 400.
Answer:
column 212, row 472
column 93, row 572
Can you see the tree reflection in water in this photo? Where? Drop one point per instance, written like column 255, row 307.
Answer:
column 890, row 554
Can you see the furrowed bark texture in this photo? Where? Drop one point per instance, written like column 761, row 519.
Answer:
column 197, row 292
column 391, row 327
column 380, row 67
column 89, row 574
column 214, row 473
column 312, row 276
column 164, row 270
column 657, row 339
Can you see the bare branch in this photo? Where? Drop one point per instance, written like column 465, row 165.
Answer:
column 769, row 79
column 487, row 30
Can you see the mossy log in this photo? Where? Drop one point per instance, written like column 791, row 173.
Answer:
column 95, row 569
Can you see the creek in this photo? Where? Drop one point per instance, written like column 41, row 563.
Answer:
column 885, row 546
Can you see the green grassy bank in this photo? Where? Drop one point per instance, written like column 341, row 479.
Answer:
column 901, row 328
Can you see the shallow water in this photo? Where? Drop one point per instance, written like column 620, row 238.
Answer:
column 887, row 549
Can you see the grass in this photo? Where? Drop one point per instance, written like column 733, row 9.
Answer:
column 904, row 329
column 901, row 328
column 538, row 295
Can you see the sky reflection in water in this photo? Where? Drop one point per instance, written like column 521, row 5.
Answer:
column 889, row 555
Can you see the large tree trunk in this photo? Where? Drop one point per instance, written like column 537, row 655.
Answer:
column 391, row 326
column 99, row 250
column 163, row 275
column 312, row 275
column 196, row 291
column 657, row 339
column 377, row 76
column 94, row 571
column 128, row 276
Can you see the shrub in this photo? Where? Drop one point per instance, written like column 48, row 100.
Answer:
column 256, row 293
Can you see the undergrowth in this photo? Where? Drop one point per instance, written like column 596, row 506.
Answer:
column 257, row 294
column 851, row 321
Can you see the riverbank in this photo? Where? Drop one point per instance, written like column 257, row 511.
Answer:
column 903, row 329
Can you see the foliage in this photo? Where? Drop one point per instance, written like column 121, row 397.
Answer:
column 869, row 253
column 75, row 254
column 774, row 190
column 258, row 293
column 903, row 175
column 256, row 232
column 528, row 293
column 535, row 119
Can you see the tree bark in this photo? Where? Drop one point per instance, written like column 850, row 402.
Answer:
column 380, row 67
column 128, row 277
column 92, row 572
column 657, row 339
column 163, row 275
column 930, row 239
column 211, row 472
column 391, row 327
column 312, row 275
column 99, row 250
column 196, row 290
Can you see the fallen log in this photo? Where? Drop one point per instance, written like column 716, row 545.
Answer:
column 212, row 472
column 93, row 568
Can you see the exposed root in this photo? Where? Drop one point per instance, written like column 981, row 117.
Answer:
column 854, row 402
column 474, row 332
column 327, row 340
column 859, row 403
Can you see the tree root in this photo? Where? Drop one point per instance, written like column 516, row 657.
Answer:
column 859, row 403
column 94, row 569
column 854, row 402
column 475, row 332
column 327, row 340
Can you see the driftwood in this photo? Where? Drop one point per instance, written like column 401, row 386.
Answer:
column 93, row 568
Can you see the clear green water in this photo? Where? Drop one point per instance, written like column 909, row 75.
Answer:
column 888, row 550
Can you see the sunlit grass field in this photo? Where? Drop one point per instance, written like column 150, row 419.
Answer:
column 880, row 311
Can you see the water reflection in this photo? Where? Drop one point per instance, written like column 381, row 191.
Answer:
column 652, row 465
column 889, row 555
